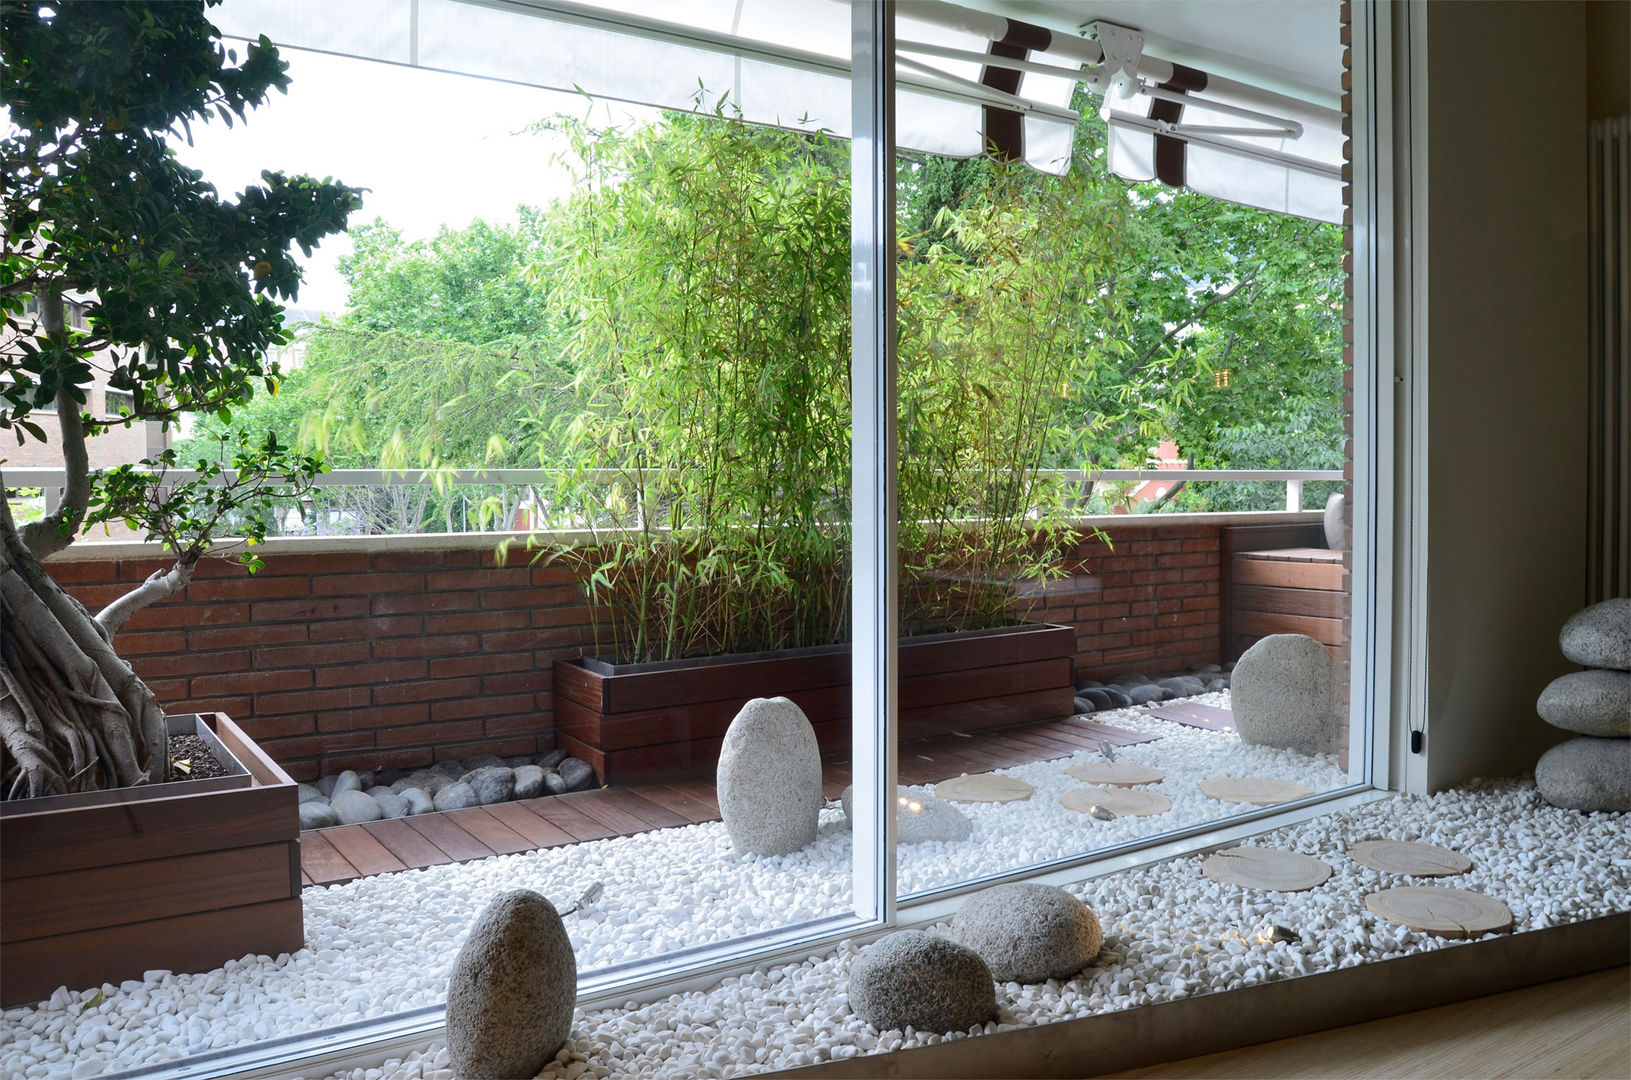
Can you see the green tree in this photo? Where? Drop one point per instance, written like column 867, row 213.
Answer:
column 180, row 287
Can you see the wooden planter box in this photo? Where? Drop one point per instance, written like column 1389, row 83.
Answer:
column 639, row 722
column 183, row 876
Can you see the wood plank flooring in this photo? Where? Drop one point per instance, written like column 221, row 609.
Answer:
column 339, row 854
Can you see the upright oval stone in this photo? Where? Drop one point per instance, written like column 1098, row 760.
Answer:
column 1599, row 636
column 769, row 778
column 1593, row 702
column 913, row 979
column 1586, row 774
column 1282, row 692
column 512, row 991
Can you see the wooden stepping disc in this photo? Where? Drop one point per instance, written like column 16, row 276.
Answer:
column 1115, row 773
column 1122, row 802
column 1257, row 790
column 984, row 787
column 1416, row 860
column 1266, row 868
column 1450, row 913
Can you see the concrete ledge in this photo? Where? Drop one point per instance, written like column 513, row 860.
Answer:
column 1173, row 1030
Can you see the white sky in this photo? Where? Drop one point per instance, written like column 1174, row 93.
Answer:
column 435, row 149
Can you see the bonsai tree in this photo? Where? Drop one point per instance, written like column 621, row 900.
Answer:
column 179, row 288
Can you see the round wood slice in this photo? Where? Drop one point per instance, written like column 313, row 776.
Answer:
column 1416, row 860
column 1257, row 790
column 1450, row 913
column 1266, row 868
column 1122, row 802
column 1115, row 773
column 984, row 787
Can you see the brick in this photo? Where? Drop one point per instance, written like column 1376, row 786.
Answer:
column 554, row 575
column 539, row 682
column 424, row 560
column 439, row 645
column 274, row 634
column 167, row 691
column 367, row 584
column 480, row 664
column 517, row 744
column 565, row 637
column 318, row 563
column 81, row 571
column 248, row 588
column 252, row 682
column 300, row 656
column 428, row 734
column 377, row 758
column 373, row 717
column 188, row 664
column 459, row 622
column 545, row 596
column 97, row 597
column 428, row 690
column 405, row 603
column 277, row 727
column 350, row 629
column 311, row 700
column 345, row 607
column 304, row 746
column 564, row 616
column 172, row 614
column 527, row 723
column 372, row 674
column 151, row 641
column 507, row 577
column 480, row 706
column 236, row 707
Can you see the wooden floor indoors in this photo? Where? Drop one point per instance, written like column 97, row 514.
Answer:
column 338, row 854
column 1578, row 1028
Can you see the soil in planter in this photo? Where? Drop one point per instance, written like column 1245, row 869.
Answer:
column 196, row 754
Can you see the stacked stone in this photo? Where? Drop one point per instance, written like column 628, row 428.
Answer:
column 1593, row 771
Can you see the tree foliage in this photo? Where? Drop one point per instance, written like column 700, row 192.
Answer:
column 181, row 289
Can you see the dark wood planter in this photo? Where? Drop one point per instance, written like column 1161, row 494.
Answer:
column 643, row 722
column 167, row 877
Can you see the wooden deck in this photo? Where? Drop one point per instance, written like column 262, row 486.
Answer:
column 334, row 855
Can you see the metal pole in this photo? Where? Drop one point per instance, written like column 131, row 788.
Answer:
column 872, row 467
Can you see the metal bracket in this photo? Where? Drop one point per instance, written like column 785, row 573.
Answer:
column 1123, row 48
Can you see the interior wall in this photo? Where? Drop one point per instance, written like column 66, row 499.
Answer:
column 1506, row 375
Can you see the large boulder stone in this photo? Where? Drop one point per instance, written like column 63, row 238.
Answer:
column 1599, row 636
column 1586, row 774
column 354, row 808
column 1594, row 702
column 317, row 814
column 575, row 774
column 512, row 990
column 920, row 819
column 1283, row 693
column 491, row 783
column 456, row 797
column 529, row 782
column 912, row 979
column 1029, row 933
column 346, row 781
column 1336, row 530
column 769, row 778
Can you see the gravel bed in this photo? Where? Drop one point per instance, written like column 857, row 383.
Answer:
column 384, row 944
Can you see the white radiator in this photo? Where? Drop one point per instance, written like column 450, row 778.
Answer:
column 1609, row 468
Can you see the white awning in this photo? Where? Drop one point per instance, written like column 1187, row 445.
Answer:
column 969, row 81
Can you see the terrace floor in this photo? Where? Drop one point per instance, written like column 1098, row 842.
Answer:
column 342, row 853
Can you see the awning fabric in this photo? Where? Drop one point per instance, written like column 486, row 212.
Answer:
column 969, row 82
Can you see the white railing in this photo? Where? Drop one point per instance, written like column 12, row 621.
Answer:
column 51, row 480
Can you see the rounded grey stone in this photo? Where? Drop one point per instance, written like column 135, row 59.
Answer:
column 325, row 785
column 391, row 805
column 553, row 784
column 933, row 819
column 1144, row 693
column 1206, row 669
column 518, row 760
column 481, row 761
column 1183, row 685
column 418, row 802
column 1029, row 933
column 912, row 979
column 1596, row 702
column 552, row 759
column 1217, row 684
column 1132, row 678
column 425, row 780
column 1118, row 697
column 450, row 769
column 354, row 808
column 577, row 775
column 456, row 796
column 387, row 777
column 1586, row 774
column 308, row 793
column 491, row 783
column 512, row 990
column 1282, row 693
column 1101, row 699
column 1336, row 532
column 529, row 781
column 317, row 815
column 346, row 781
column 1599, row 636
column 1084, row 705
column 769, row 778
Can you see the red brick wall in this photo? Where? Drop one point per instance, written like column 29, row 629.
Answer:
column 334, row 661
column 1150, row 600
column 362, row 660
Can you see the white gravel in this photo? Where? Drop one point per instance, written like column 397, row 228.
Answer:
column 384, row 944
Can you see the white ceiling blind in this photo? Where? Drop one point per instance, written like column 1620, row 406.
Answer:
column 969, row 81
